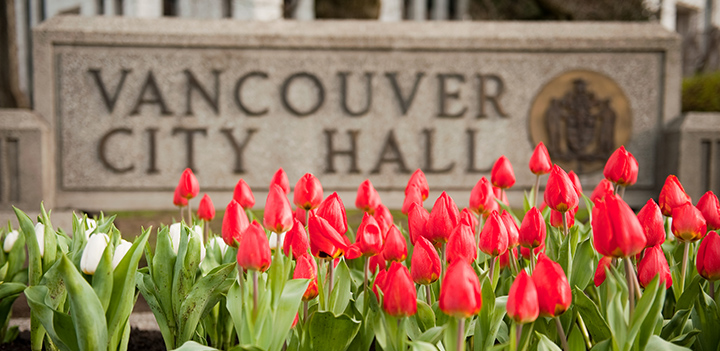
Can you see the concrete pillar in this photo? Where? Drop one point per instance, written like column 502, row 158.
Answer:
column 391, row 10
column 258, row 10
column 149, row 8
column 304, row 10
column 419, row 10
column 461, row 10
column 440, row 10
column 668, row 13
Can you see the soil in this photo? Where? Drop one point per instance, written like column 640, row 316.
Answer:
column 145, row 340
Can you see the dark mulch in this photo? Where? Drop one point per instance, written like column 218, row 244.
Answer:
column 144, row 340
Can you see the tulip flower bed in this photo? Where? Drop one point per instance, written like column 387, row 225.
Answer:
column 445, row 279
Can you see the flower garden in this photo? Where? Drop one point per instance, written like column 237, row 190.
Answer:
column 488, row 277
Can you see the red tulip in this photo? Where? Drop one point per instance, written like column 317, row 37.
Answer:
column 504, row 259
column 235, row 222
column 178, row 200
column 494, row 237
column 299, row 214
column 575, row 180
column 395, row 248
column 468, row 218
column 369, row 238
column 425, row 264
column 525, row 252
column 254, row 249
column 621, row 168
column 460, row 294
column 399, row 296
column 482, row 198
column 652, row 223
column 377, row 262
column 418, row 222
column 710, row 209
column 297, row 239
column 278, row 216
column 412, row 196
column 308, row 192
column 653, row 264
column 444, row 217
column 243, row 195
column 188, row 186
column 502, row 175
column 672, row 195
column 461, row 245
column 500, row 195
column 540, row 160
column 325, row 241
column 603, row 189
column 522, row 300
column 367, row 198
column 532, row 231
column 379, row 282
column 206, row 210
column 333, row 210
column 556, row 219
column 281, row 179
column 512, row 229
column 553, row 289
column 708, row 257
column 600, row 272
column 418, row 179
column 384, row 218
column 560, row 193
column 688, row 223
column 616, row 230
column 306, row 268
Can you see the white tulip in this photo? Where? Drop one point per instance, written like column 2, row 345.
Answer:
column 90, row 226
column 120, row 252
column 274, row 242
column 10, row 240
column 218, row 242
column 196, row 233
column 40, row 235
column 175, row 236
column 93, row 252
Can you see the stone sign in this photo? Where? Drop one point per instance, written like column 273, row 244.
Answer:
column 133, row 102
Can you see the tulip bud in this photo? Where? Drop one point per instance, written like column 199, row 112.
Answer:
column 482, row 198
column 540, row 160
column 425, row 264
column 367, row 199
column 575, row 180
column 560, row 193
column 90, row 226
column 461, row 245
column 533, row 230
column 412, row 196
column 600, row 272
column 621, row 168
column 243, row 195
column 522, row 300
column 616, row 230
column 40, row 236
column 333, row 210
column 369, row 238
column 10, row 240
column 235, row 222
column 218, row 242
column 418, row 179
column 254, row 249
column 469, row 219
column 308, row 192
column 281, row 179
column 178, row 200
column 399, row 296
column 460, row 294
column 93, row 252
column 377, row 262
column 710, row 209
column 278, row 213
column 502, row 175
column 306, row 268
column 174, row 232
column 206, row 210
column 688, row 223
column 379, row 283
column 325, row 241
column 188, row 187
column 501, row 196
column 120, row 251
column 418, row 218
column 384, row 218
column 297, row 239
column 395, row 248
column 603, row 189
column 553, row 289
column 512, row 229
column 708, row 257
column 299, row 214
column 444, row 217
column 494, row 237
column 651, row 220
column 525, row 252
column 653, row 264
column 672, row 195
column 556, row 218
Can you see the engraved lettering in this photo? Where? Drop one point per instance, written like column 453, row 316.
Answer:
column 238, row 94
column 286, row 86
column 152, row 151
column 102, row 151
column 332, row 152
column 405, row 102
column 190, row 143
column 238, row 147
column 151, row 86
column 390, row 153
column 471, row 168
column 429, row 160
column 492, row 99
column 107, row 99
column 344, row 94
column 446, row 95
column 194, row 84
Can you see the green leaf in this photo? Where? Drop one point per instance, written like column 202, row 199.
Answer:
column 147, row 289
column 675, row 326
column 287, row 310
column 582, row 265
column 575, row 340
column 594, row 321
column 490, row 319
column 432, row 335
column 58, row 325
column 422, row 346
column 544, row 344
column 656, row 343
column 705, row 317
column 102, row 280
column 50, row 254
column 331, row 333
column 341, row 293
column 193, row 346
column 27, row 228
column 186, row 265
column 163, row 270
column 10, row 288
column 195, row 302
column 647, row 313
column 425, row 316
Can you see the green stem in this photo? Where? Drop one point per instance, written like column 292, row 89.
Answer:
column 492, row 270
column 367, row 269
column 182, row 215
column 584, row 330
column 401, row 335
column 566, row 229
column 514, row 336
column 629, row 272
column 536, row 190
column 444, row 262
column 428, row 294
column 255, row 292
column 331, row 271
column 461, row 335
column 712, row 289
column 684, row 266
column 561, row 334
column 532, row 260
column 305, row 311
column 622, row 191
column 189, row 222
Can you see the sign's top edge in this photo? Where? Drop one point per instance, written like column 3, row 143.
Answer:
column 78, row 29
